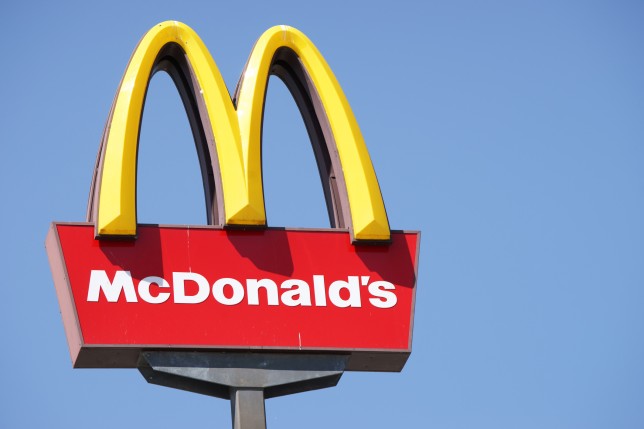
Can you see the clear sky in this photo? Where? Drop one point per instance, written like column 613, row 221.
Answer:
column 511, row 133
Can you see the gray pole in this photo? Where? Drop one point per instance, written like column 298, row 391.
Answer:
column 247, row 408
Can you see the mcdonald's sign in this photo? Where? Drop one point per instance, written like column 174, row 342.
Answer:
column 235, row 284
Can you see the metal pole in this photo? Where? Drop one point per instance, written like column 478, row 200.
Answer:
column 247, row 408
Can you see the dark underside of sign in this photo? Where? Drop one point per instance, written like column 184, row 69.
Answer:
column 128, row 357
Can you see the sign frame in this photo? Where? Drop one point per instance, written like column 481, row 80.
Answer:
column 86, row 355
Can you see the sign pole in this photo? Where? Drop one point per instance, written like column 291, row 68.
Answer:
column 246, row 379
column 247, row 408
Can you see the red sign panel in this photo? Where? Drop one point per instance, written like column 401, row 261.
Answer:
column 196, row 288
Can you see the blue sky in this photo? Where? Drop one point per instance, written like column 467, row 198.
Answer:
column 510, row 133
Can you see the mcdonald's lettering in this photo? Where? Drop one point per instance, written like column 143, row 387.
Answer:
column 235, row 283
column 228, row 291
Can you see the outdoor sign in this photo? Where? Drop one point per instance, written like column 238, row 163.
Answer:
column 235, row 284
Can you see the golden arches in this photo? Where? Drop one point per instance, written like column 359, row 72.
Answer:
column 236, row 129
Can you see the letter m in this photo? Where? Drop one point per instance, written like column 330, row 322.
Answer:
column 111, row 290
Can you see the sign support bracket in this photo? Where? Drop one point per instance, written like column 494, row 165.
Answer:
column 246, row 379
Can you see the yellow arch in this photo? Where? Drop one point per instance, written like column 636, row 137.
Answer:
column 237, row 132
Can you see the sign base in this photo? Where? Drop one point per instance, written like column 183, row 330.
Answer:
column 247, row 379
